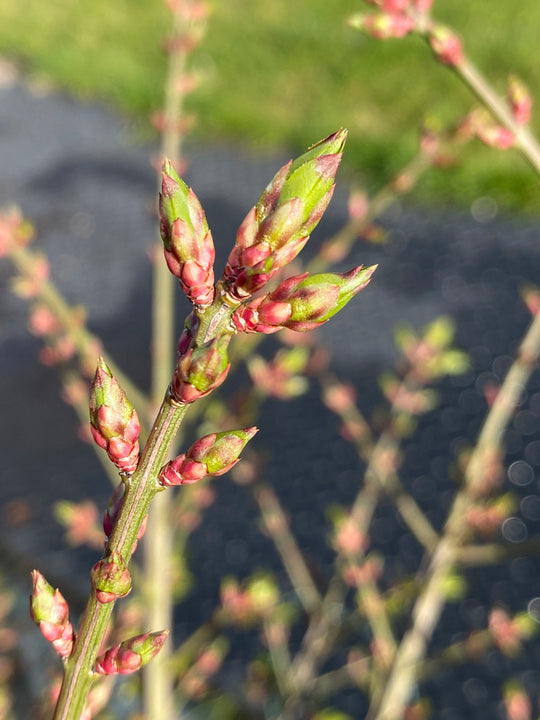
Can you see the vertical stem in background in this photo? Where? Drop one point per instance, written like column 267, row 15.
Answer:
column 158, row 682
column 431, row 601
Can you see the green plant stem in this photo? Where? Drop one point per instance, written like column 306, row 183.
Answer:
column 277, row 527
column 140, row 490
column 495, row 553
column 430, row 603
column 525, row 141
column 475, row 81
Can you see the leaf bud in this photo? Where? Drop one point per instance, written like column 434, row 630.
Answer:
column 213, row 454
column 200, row 370
column 277, row 228
column 188, row 245
column 110, row 578
column 113, row 420
column 130, row 655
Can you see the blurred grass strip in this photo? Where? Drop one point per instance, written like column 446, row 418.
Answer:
column 285, row 73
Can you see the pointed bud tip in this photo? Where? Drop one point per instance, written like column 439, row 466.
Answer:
column 335, row 142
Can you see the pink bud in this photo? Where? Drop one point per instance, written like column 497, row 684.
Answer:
column 130, row 655
column 446, row 45
column 114, row 422
column 188, row 245
column 14, row 231
column 520, row 100
column 277, row 228
column 42, row 322
column 200, row 371
column 213, row 454
column 50, row 611
column 302, row 302
column 383, row 25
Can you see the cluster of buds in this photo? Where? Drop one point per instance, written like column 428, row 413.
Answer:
column 113, row 421
column 303, row 302
column 30, row 283
column 486, row 518
column 246, row 606
column 195, row 681
column 281, row 377
column 50, row 611
column 201, row 370
column 278, row 227
column 81, row 522
column 188, row 245
column 431, row 355
column 130, row 655
column 481, row 124
column 110, row 578
column 509, row 632
column 213, row 454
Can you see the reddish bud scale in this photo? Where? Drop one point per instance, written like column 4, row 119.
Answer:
column 130, row 655
column 212, row 454
column 200, row 371
column 50, row 612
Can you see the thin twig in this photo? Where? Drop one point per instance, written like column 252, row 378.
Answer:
column 430, row 603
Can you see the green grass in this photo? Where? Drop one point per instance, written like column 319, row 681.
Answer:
column 285, row 73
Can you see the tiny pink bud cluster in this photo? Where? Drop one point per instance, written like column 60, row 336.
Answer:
column 282, row 377
column 14, row 231
column 247, row 605
column 383, row 25
column 301, row 303
column 200, row 371
column 278, row 227
column 479, row 123
column 50, row 611
column 520, row 100
column 188, row 245
column 446, row 45
column 212, row 454
column 130, row 655
column 195, row 682
column 110, row 578
column 81, row 522
column 113, row 420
